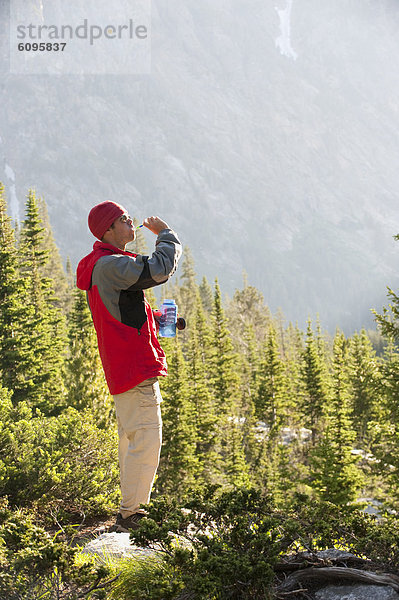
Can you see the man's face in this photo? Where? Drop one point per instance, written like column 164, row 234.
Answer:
column 122, row 231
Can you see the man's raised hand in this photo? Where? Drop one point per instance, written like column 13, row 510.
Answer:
column 155, row 224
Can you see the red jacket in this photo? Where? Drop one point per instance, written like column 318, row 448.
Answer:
column 123, row 319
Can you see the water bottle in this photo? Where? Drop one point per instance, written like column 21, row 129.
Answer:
column 167, row 321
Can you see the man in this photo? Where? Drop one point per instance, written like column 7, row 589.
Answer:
column 129, row 349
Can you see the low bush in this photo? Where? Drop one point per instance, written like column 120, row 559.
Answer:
column 34, row 565
column 65, row 464
column 221, row 545
column 225, row 545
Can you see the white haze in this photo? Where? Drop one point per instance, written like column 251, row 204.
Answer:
column 266, row 135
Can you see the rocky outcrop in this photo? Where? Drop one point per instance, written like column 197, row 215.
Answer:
column 356, row 592
column 114, row 545
column 327, row 575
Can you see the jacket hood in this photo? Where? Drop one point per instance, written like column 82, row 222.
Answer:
column 86, row 265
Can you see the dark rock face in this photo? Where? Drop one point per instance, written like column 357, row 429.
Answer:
column 265, row 135
column 356, row 592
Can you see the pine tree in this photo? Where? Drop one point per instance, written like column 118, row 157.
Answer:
column 225, row 379
column 179, row 466
column 252, row 363
column 323, row 343
column 15, row 354
column 364, row 379
column 151, row 298
column 388, row 321
column 277, row 471
column 206, row 294
column 294, row 383
column 265, row 471
column 201, row 396
column 315, row 385
column 272, row 390
column 237, row 469
column 223, row 372
column 46, row 326
column 279, row 327
column 335, row 476
column 295, row 337
column 186, row 296
column 249, row 376
column 385, row 427
column 17, row 231
column 52, row 268
column 70, row 275
column 188, row 284
column 274, row 469
column 248, row 308
column 85, row 381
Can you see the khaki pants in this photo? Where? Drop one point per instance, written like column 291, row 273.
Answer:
column 138, row 413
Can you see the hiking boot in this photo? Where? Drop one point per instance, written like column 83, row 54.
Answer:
column 126, row 525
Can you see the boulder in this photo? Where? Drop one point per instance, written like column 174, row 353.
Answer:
column 115, row 545
column 356, row 592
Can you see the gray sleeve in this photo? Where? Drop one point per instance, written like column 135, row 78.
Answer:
column 141, row 272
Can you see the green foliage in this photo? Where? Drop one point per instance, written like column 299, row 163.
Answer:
column 185, row 290
column 179, row 464
column 322, row 525
column 205, row 290
column 15, row 352
column 294, row 385
column 226, row 545
column 201, row 396
column 45, row 327
column 223, row 373
column 64, row 463
column 315, row 385
column 34, row 565
column 388, row 321
column 216, row 545
column 272, row 389
column 335, row 475
column 364, row 380
column 27, row 552
column 146, row 579
column 236, row 466
column 385, row 429
column 188, row 285
column 53, row 268
column 223, row 546
column 247, row 308
column 248, row 400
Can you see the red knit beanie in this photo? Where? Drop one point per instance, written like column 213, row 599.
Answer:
column 103, row 215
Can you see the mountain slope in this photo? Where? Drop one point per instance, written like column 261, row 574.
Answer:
column 266, row 135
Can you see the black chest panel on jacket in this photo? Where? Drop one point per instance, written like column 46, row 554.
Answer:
column 132, row 307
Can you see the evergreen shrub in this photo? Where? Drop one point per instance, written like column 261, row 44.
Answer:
column 35, row 565
column 65, row 464
column 226, row 545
